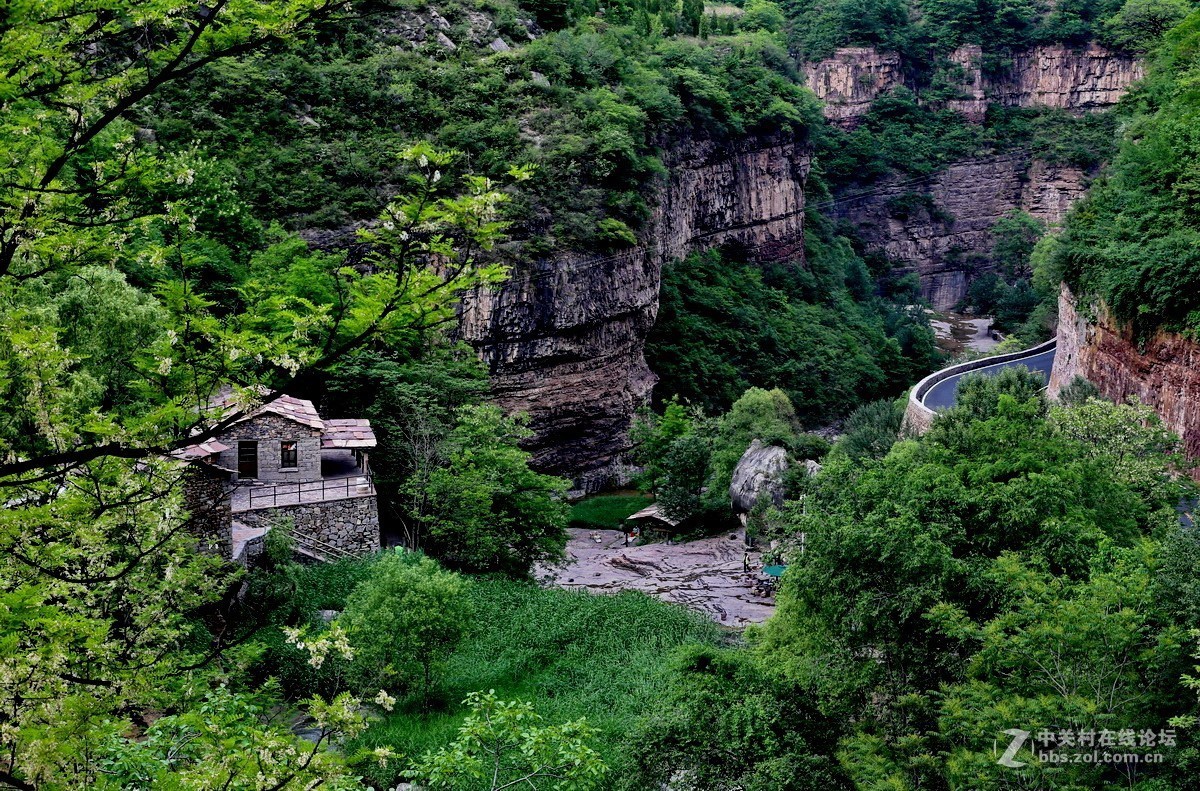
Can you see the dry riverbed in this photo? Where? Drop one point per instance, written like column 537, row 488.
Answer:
column 705, row 574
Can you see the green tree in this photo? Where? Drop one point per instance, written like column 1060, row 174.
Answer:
column 652, row 435
column 485, row 509
column 109, row 584
column 505, row 744
column 872, row 429
column 1140, row 24
column 681, row 492
column 404, row 622
column 731, row 723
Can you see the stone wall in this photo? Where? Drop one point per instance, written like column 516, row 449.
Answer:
column 564, row 338
column 269, row 430
column 206, row 497
column 941, row 228
column 1162, row 371
column 350, row 524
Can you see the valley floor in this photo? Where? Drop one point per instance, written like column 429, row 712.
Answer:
column 705, row 574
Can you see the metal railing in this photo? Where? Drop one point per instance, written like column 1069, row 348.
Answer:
column 311, row 491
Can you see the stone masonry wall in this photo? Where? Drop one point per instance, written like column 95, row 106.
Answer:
column 350, row 524
column 206, row 497
column 269, row 430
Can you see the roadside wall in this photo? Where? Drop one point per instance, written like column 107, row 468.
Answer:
column 918, row 418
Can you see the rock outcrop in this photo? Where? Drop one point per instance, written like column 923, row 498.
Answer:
column 564, row 338
column 941, row 227
column 849, row 81
column 759, row 473
column 1162, row 371
column 1080, row 79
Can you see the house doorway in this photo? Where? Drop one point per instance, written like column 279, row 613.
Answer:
column 247, row 460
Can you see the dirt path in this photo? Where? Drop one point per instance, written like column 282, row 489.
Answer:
column 705, row 575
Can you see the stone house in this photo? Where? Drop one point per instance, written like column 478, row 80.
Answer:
column 283, row 463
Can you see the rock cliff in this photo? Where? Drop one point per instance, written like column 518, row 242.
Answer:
column 1163, row 371
column 941, row 227
column 564, row 338
column 1089, row 78
column 848, row 82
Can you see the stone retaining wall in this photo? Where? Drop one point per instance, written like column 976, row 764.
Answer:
column 918, row 418
column 350, row 524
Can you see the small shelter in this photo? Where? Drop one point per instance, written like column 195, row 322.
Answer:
column 652, row 519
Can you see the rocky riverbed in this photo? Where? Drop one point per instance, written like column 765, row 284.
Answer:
column 705, row 574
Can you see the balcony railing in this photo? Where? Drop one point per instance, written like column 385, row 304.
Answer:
column 310, row 491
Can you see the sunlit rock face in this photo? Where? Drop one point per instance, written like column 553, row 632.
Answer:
column 1085, row 78
column 1162, row 371
column 941, row 227
column 564, row 339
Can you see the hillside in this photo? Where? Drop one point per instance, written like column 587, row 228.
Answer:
column 322, row 324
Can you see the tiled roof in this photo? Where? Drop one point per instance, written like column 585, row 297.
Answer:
column 297, row 409
column 348, row 433
column 200, row 451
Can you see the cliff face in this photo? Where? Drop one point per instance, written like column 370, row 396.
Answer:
column 942, row 228
column 1163, row 372
column 848, row 82
column 1049, row 76
column 564, row 338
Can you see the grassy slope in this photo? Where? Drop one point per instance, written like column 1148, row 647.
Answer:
column 572, row 654
column 608, row 511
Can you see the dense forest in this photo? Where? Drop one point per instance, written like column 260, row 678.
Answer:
column 206, row 206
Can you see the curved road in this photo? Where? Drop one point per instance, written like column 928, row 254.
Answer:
column 941, row 395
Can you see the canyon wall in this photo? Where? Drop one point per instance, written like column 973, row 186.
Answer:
column 848, row 82
column 941, row 227
column 564, row 338
column 1163, row 371
column 1081, row 79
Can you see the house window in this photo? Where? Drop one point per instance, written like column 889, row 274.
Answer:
column 287, row 454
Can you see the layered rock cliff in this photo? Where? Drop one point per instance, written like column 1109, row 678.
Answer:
column 1163, row 371
column 564, row 338
column 1087, row 78
column 941, row 227
column 854, row 77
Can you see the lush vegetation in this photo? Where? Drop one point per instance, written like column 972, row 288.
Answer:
column 1021, row 566
column 571, row 655
column 816, row 332
column 928, row 29
column 1133, row 241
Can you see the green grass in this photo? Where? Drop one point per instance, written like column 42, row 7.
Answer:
column 571, row 654
column 607, row 511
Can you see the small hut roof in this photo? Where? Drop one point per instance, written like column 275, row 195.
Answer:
column 653, row 512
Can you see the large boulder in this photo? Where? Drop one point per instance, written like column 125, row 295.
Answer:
column 759, row 473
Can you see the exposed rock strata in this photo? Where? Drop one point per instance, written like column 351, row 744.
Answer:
column 564, row 338
column 848, row 82
column 1089, row 78
column 1163, row 371
column 941, row 228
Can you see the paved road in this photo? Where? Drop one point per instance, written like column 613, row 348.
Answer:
column 942, row 394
